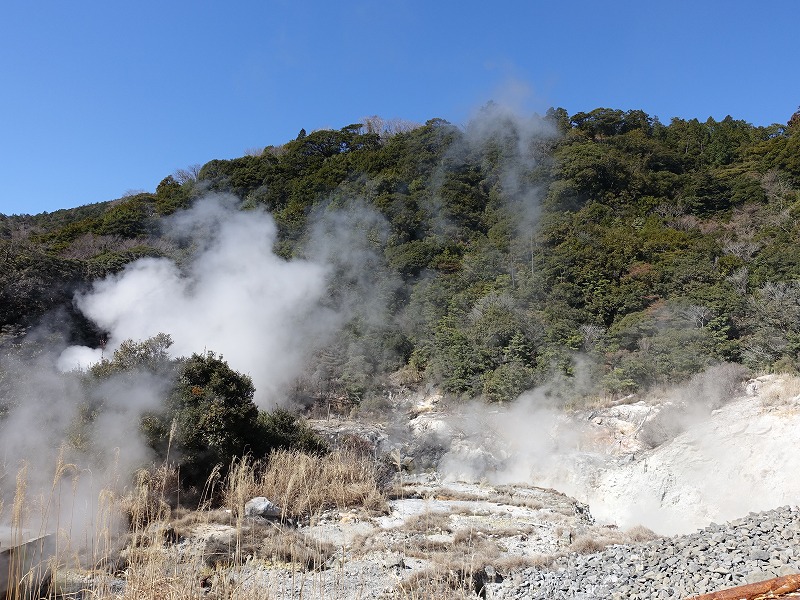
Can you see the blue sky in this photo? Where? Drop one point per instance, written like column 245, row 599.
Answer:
column 100, row 98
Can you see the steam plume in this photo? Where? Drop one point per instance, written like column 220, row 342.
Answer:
column 235, row 296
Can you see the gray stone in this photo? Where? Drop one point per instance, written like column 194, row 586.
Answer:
column 751, row 549
column 759, row 555
column 262, row 507
column 756, row 576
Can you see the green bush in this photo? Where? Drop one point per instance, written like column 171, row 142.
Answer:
column 209, row 417
column 214, row 414
column 281, row 430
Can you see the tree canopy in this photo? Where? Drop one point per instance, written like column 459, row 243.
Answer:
column 508, row 247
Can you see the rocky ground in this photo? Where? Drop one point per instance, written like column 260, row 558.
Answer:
column 720, row 464
column 750, row 549
column 673, row 461
column 459, row 540
column 459, row 523
column 434, row 536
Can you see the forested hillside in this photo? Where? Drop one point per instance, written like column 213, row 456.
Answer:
column 503, row 254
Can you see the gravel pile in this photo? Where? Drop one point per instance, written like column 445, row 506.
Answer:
column 754, row 548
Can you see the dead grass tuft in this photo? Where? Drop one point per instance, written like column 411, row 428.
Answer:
column 465, row 568
column 782, row 391
column 305, row 484
column 154, row 492
column 241, row 484
column 290, row 546
column 588, row 544
column 639, row 533
column 429, row 522
column 595, row 541
column 462, row 566
column 507, row 564
column 438, row 582
column 268, row 542
column 503, row 494
column 185, row 520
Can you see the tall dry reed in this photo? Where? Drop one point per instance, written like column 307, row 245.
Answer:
column 305, row 484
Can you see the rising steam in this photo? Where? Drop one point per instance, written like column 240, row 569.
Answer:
column 266, row 315
column 231, row 294
column 717, row 452
column 235, row 297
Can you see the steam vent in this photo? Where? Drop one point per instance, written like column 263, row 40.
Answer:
column 23, row 558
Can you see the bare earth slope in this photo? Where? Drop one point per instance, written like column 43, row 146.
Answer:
column 745, row 456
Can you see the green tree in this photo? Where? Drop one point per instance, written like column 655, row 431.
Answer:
column 171, row 196
column 131, row 357
column 214, row 414
column 130, row 218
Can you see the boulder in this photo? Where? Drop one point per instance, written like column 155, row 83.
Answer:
column 262, row 507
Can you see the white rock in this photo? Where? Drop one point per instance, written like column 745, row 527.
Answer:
column 262, row 507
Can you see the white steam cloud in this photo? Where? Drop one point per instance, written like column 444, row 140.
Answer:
column 724, row 454
column 230, row 294
column 266, row 315
column 53, row 461
column 235, row 297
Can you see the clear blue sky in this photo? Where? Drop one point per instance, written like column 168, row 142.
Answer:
column 99, row 98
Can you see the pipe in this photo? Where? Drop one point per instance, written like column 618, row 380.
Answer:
column 771, row 588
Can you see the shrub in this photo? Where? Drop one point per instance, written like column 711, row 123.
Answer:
column 209, row 418
column 215, row 416
column 280, row 429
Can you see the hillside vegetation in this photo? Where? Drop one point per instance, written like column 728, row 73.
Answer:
column 508, row 252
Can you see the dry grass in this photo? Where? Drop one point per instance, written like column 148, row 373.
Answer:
column 185, row 520
column 462, row 570
column 442, row 582
column 222, row 562
column 160, row 578
column 639, row 533
column 241, row 485
column 222, row 565
column 154, row 493
column 595, row 401
column 507, row 532
column 290, row 546
column 474, row 559
column 507, row 564
column 462, row 561
column 784, row 390
column 504, row 494
column 450, row 539
column 595, row 541
column 428, row 522
column 269, row 544
column 453, row 568
column 304, row 485
column 48, row 516
column 173, row 554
